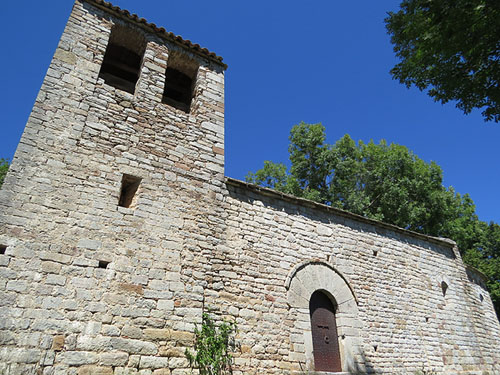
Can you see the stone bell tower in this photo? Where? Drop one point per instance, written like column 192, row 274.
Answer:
column 108, row 213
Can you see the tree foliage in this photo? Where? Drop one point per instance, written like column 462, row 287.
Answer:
column 212, row 347
column 4, row 167
column 486, row 258
column 452, row 48
column 380, row 181
column 385, row 182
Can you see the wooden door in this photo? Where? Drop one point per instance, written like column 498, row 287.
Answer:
column 326, row 350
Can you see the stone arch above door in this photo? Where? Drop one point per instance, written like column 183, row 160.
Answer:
column 314, row 275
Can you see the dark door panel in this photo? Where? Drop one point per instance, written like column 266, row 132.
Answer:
column 324, row 333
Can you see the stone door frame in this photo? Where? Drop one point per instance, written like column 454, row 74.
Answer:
column 313, row 275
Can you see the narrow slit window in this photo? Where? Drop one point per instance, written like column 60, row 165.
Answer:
column 180, row 78
column 130, row 184
column 122, row 60
column 3, row 248
column 444, row 287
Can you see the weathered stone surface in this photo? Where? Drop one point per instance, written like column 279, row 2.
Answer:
column 157, row 334
column 133, row 346
column 113, row 358
column 183, row 338
column 132, row 332
column 133, row 288
column 73, row 358
column 65, row 56
column 89, row 286
column 171, row 352
column 154, row 362
column 95, row 370
column 58, row 343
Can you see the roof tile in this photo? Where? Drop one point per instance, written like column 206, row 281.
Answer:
column 160, row 31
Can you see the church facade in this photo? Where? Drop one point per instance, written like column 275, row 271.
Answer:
column 119, row 229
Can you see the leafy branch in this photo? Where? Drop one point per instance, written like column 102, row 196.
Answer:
column 212, row 347
column 4, row 167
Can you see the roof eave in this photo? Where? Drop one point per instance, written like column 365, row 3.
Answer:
column 336, row 211
column 160, row 31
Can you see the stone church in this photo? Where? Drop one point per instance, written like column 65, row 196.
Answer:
column 119, row 229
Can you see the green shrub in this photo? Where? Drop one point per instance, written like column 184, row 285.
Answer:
column 212, row 347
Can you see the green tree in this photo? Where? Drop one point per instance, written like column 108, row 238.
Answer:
column 271, row 174
column 387, row 183
column 4, row 167
column 486, row 258
column 452, row 48
column 380, row 181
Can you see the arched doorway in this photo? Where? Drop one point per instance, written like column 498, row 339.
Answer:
column 303, row 280
column 326, row 350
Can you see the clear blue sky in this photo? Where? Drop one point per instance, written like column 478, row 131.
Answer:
column 318, row 61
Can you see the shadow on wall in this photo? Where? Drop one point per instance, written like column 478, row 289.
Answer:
column 369, row 368
column 311, row 211
column 355, row 369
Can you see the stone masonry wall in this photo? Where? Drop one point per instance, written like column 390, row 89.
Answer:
column 61, row 313
column 89, row 287
column 405, row 322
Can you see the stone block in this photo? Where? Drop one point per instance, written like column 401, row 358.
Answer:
column 131, row 288
column 20, row 355
column 133, row 346
column 90, row 244
column 131, row 332
column 84, row 283
column 171, row 352
column 165, row 305
column 95, row 370
column 65, row 56
column 183, row 338
column 7, row 338
column 77, row 358
column 55, row 280
column 113, row 358
column 157, row 334
column 55, row 257
column 58, row 343
column 17, row 285
column 153, row 362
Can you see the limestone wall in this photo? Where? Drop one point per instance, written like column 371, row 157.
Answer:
column 59, row 214
column 401, row 321
column 90, row 287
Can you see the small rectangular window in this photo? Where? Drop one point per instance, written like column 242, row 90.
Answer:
column 122, row 60
column 180, row 78
column 3, row 248
column 103, row 264
column 130, row 184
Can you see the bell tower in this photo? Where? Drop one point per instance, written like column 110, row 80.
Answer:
column 113, row 195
